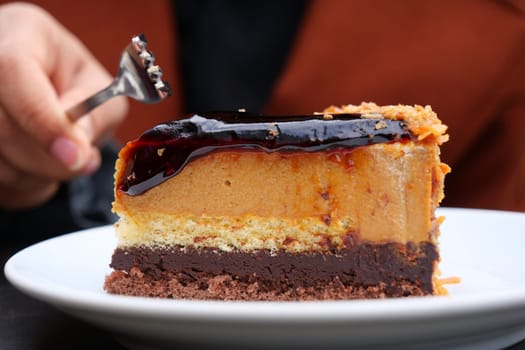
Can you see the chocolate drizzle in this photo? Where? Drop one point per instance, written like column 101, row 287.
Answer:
column 163, row 151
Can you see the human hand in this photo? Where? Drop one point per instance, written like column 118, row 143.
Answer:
column 44, row 70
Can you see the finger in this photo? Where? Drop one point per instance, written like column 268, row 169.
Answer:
column 9, row 175
column 21, row 190
column 13, row 200
column 101, row 122
column 19, row 181
column 24, row 154
column 75, row 82
column 33, row 105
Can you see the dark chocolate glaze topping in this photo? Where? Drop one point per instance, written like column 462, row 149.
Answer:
column 163, row 151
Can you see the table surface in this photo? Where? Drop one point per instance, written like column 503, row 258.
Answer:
column 26, row 323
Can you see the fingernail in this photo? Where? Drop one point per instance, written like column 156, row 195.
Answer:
column 66, row 151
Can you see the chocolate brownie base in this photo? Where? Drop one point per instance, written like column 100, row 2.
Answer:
column 363, row 270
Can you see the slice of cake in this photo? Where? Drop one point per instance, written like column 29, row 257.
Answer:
column 231, row 206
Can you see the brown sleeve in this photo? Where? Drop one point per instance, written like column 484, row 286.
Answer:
column 466, row 59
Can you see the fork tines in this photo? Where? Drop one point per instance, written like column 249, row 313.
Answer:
column 154, row 72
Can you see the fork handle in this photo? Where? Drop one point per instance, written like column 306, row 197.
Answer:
column 74, row 113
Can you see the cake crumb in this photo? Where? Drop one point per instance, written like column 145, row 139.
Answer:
column 160, row 151
column 450, row 280
column 135, row 271
column 327, row 219
column 380, row 125
column 325, row 195
column 273, row 132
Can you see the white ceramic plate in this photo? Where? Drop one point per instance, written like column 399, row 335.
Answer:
column 485, row 311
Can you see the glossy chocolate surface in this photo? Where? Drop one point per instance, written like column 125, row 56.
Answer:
column 163, row 151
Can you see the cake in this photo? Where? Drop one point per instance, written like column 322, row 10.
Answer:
column 233, row 206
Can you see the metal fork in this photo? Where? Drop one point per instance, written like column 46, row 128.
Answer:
column 138, row 77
